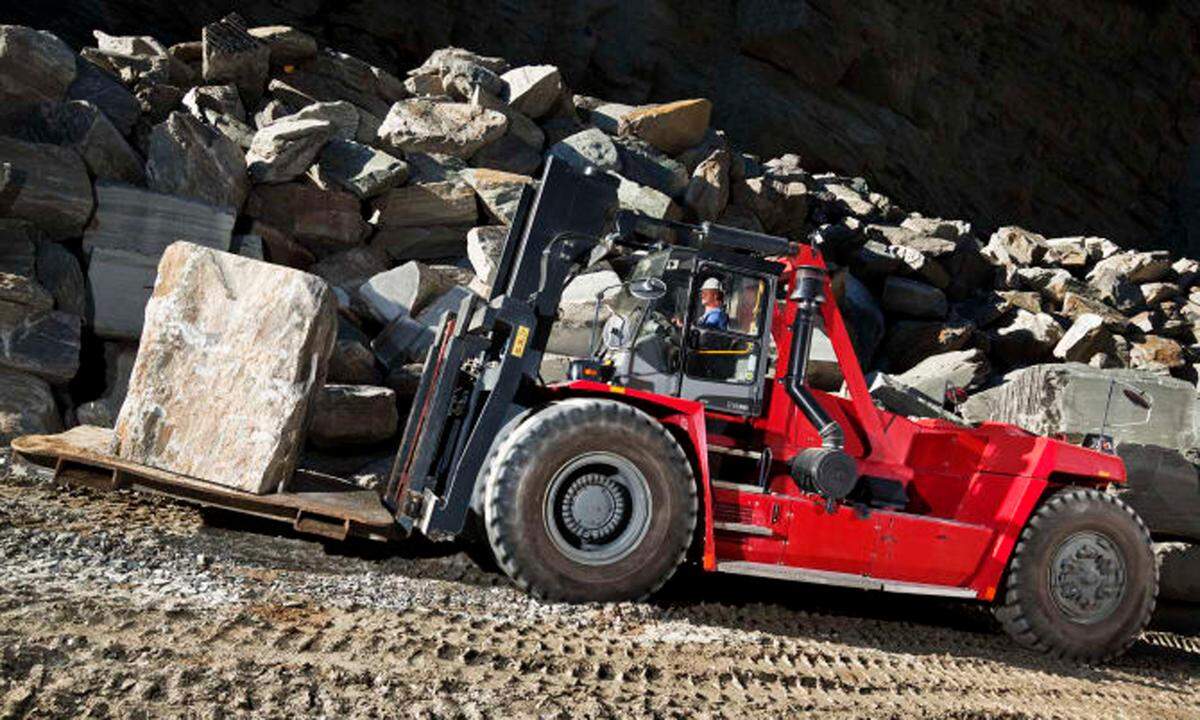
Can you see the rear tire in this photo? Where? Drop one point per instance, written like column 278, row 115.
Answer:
column 590, row 500
column 1082, row 580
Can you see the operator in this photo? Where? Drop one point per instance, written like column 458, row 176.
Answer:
column 712, row 297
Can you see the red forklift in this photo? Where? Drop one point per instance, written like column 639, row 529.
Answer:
column 689, row 434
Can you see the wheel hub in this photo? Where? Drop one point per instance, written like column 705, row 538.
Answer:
column 1087, row 577
column 593, row 506
column 597, row 508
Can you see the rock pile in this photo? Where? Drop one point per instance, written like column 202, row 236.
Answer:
column 396, row 191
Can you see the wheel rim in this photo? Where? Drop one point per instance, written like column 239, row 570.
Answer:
column 1087, row 577
column 597, row 508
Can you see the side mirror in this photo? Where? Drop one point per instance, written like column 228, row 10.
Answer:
column 650, row 288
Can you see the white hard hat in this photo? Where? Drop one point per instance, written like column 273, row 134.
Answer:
column 712, row 284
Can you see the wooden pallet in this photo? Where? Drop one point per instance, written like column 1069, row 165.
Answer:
column 313, row 503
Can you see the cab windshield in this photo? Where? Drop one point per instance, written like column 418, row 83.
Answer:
column 626, row 309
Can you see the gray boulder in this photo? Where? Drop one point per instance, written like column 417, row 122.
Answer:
column 323, row 221
column 499, row 192
column 119, row 284
column 107, row 93
column 81, row 126
column 707, row 192
column 439, row 203
column 1086, row 337
column 35, row 66
column 143, row 221
column 58, row 271
column 587, row 149
column 41, row 342
column 284, row 150
column 913, row 299
column 360, row 169
column 27, row 406
column 1028, row 337
column 351, row 415
column 404, row 290
column 204, row 101
column 46, row 185
column 864, row 319
column 458, row 129
column 232, row 55
column 191, row 159
column 967, row 369
column 286, row 45
column 645, row 164
column 484, row 245
column 533, row 90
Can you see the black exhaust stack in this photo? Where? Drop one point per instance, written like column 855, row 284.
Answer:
column 826, row 470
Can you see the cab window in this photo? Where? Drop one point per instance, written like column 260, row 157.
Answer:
column 727, row 312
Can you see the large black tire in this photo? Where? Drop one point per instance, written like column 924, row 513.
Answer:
column 532, row 539
column 1082, row 581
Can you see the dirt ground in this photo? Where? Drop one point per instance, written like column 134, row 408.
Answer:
column 116, row 605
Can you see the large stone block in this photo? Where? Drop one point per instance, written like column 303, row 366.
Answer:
column 1070, row 399
column 458, row 129
column 322, row 221
column 138, row 220
column 34, row 66
column 1162, row 485
column 191, row 159
column 233, row 352
column 119, row 284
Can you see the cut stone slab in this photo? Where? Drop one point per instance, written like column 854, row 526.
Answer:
column 81, row 126
column 499, row 192
column 231, row 54
column 283, row 150
column 138, row 220
column 191, row 159
column 534, row 90
column 458, row 129
column 405, row 289
column 46, row 185
column 914, row 299
column 27, row 406
column 357, row 168
column 672, row 127
column 1069, row 398
column 35, row 66
column 589, row 148
column 351, row 415
column 321, row 220
column 233, row 353
column 441, row 203
column 119, row 285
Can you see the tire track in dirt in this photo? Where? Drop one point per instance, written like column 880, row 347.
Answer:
column 118, row 606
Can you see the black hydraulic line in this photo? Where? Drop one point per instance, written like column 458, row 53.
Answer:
column 808, row 297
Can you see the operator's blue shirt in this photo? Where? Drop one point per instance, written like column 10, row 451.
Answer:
column 714, row 318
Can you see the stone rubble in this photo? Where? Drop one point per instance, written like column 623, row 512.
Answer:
column 360, row 175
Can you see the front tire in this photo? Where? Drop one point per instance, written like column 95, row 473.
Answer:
column 1082, row 581
column 590, row 500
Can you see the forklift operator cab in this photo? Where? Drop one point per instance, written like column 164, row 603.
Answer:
column 678, row 345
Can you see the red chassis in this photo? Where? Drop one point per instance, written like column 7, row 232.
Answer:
column 969, row 490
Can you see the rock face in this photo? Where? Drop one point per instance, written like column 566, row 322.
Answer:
column 231, row 355
column 34, row 66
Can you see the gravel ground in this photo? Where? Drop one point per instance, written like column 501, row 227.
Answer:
column 131, row 606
